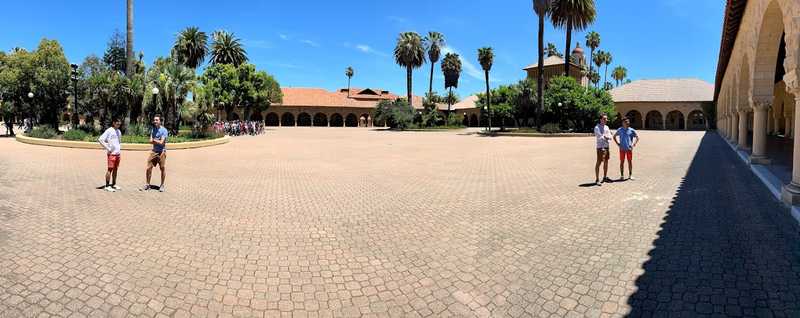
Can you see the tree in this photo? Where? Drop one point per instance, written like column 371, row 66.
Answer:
column 599, row 59
column 227, row 49
column 51, row 82
column 409, row 53
column 542, row 10
column 451, row 67
column 228, row 87
column 594, row 77
column 129, row 47
column 349, row 73
column 486, row 59
column 574, row 107
column 572, row 15
column 397, row 114
column 607, row 59
column 190, row 47
column 552, row 50
column 115, row 55
column 619, row 74
column 433, row 44
column 504, row 100
column 593, row 42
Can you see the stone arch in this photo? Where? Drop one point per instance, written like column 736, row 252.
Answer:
column 351, row 120
column 765, row 59
column 473, row 121
column 675, row 120
column 234, row 116
column 287, row 119
column 272, row 120
column 337, row 120
column 304, row 120
column 636, row 119
column 744, row 85
column 320, row 120
column 363, row 120
column 654, row 120
column 256, row 117
column 696, row 120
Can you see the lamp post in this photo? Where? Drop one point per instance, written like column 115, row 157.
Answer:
column 155, row 102
column 74, row 77
column 30, row 120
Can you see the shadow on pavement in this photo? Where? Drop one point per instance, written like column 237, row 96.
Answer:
column 725, row 248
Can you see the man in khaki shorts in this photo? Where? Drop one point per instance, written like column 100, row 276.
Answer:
column 158, row 156
column 602, row 135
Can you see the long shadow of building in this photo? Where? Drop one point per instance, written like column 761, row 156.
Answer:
column 726, row 247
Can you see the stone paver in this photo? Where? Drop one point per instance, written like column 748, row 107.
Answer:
column 352, row 222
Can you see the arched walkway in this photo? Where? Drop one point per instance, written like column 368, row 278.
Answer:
column 465, row 121
column 675, row 121
column 654, row 120
column 320, row 120
column 256, row 117
column 363, row 120
column 473, row 121
column 287, row 119
column 337, row 120
column 697, row 120
column 234, row 116
column 351, row 120
column 272, row 120
column 304, row 120
column 636, row 119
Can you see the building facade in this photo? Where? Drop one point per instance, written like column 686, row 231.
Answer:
column 757, row 82
column 672, row 104
column 554, row 66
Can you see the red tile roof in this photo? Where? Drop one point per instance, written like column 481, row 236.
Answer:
column 318, row 97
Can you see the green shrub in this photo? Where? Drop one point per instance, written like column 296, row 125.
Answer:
column 551, row 128
column 138, row 130
column 43, row 133
column 75, row 134
column 397, row 114
column 454, row 121
column 88, row 129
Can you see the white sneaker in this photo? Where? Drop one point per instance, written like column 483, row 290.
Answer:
column 109, row 189
column 116, row 187
column 162, row 189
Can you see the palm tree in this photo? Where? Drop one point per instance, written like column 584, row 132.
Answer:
column 542, row 9
column 552, row 50
column 409, row 53
column 572, row 15
column 129, row 47
column 227, row 49
column 177, row 82
column 619, row 74
column 607, row 59
column 486, row 58
column 433, row 43
column 349, row 73
column 593, row 42
column 191, row 47
column 594, row 77
column 599, row 59
column 451, row 67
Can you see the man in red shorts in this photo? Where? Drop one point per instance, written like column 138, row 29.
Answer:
column 110, row 140
column 626, row 138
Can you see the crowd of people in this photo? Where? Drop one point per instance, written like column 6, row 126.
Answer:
column 239, row 128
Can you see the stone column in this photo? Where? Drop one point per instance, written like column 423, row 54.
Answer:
column 770, row 122
column 734, row 136
column 742, row 140
column 760, row 123
column 791, row 192
column 789, row 128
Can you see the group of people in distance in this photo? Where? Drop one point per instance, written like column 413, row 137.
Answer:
column 110, row 140
column 239, row 128
column 626, row 139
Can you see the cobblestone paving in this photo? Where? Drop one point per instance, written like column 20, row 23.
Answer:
column 351, row 222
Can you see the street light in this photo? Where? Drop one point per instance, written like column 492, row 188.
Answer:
column 30, row 95
column 74, row 78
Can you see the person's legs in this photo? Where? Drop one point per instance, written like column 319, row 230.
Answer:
column 630, row 164
column 162, row 163
column 621, row 164
column 597, row 166
column 605, row 164
column 149, row 172
column 108, row 177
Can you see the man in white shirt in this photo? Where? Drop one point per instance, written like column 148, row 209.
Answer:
column 110, row 140
column 602, row 136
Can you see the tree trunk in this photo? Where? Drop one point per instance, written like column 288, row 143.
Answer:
column 129, row 67
column 408, row 85
column 430, row 85
column 605, row 77
column 540, row 82
column 567, row 56
column 591, row 60
column 348, row 86
column 488, row 99
column 449, row 103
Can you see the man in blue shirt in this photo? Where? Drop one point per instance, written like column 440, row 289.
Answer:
column 158, row 156
column 626, row 138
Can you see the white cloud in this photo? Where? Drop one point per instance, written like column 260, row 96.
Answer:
column 467, row 67
column 309, row 42
column 283, row 36
column 397, row 19
column 367, row 49
column 259, row 44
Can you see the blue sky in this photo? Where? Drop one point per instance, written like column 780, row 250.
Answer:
column 310, row 43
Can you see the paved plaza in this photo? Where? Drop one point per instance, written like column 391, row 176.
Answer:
column 329, row 222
